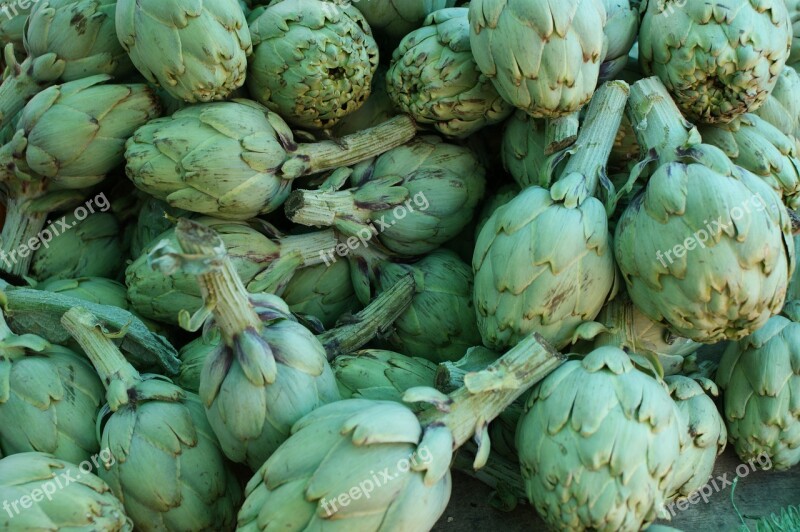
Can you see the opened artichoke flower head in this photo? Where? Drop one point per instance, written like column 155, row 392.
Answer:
column 598, row 443
column 372, row 465
column 268, row 371
column 706, row 248
column 163, row 461
column 758, row 376
column 177, row 159
column 313, row 61
column 543, row 261
column 719, row 59
column 543, row 57
column 70, row 497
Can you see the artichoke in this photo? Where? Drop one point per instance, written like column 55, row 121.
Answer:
column 782, row 108
column 411, row 199
column 313, row 61
column 177, row 159
column 165, row 464
column 621, row 29
column 434, row 78
column 193, row 357
column 377, row 109
column 394, row 19
column 599, row 442
column 760, row 376
column 268, row 372
column 67, row 497
column 543, row 261
column 323, row 291
column 543, row 57
column 94, row 289
column 720, row 58
column 151, row 222
column 92, row 247
column 793, row 7
column 324, row 476
column 195, row 49
column 12, row 27
column 49, row 398
column 501, row 196
column 69, row 136
column 523, row 150
column 706, row 249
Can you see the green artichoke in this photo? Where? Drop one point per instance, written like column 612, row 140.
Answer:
column 177, row 159
column 193, row 357
column 49, row 398
column 377, row 109
column 523, row 150
column 95, row 289
column 598, row 443
column 313, row 61
column 543, row 261
column 324, row 476
column 323, row 291
column 92, row 247
column 720, row 58
column 268, row 372
column 434, row 78
column 705, row 435
column 411, row 199
column 195, row 49
column 152, row 222
column 394, row 19
column 793, row 7
column 68, row 138
column 165, row 464
column 12, row 26
column 621, row 29
column 782, row 108
column 706, row 249
column 543, row 57
column 501, row 196
column 41, row 492
column 759, row 376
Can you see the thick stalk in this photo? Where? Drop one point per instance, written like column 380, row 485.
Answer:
column 313, row 158
column 376, row 318
column 499, row 473
column 317, row 208
column 21, row 229
column 450, row 375
column 311, row 247
column 617, row 315
column 487, row 393
column 561, row 133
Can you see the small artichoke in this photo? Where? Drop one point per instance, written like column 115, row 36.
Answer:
column 598, row 443
column 523, row 150
column 323, row 291
column 720, row 58
column 69, row 497
column 313, row 61
column 434, row 78
column 95, row 289
column 195, row 49
column 193, row 357
column 151, row 222
column 394, row 19
column 760, row 376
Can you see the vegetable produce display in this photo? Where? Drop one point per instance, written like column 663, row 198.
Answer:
column 310, row 264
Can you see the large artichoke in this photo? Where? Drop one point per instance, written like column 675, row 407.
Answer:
column 67, row 496
column 599, row 442
column 195, row 49
column 782, row 108
column 718, row 58
column 543, row 57
column 165, row 464
column 324, row 291
column 706, row 248
column 760, row 376
column 268, row 371
column 313, row 61
column 434, row 78
column 394, row 19
column 523, row 150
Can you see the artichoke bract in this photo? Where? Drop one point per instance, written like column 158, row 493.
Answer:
column 95, row 289
column 268, row 371
column 621, row 29
column 164, row 462
column 12, row 26
column 434, row 78
column 49, row 398
column 759, row 376
column 543, row 261
column 193, row 357
column 324, row 291
column 324, row 476
column 394, row 19
column 313, row 61
column 719, row 59
column 523, row 150
column 238, row 159
column 543, row 57
column 782, row 108
column 68, row 138
column 69, row 496
column 411, row 199
column 195, row 49
column 706, row 249
column 599, row 443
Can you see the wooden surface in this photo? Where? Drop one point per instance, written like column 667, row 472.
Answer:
column 757, row 494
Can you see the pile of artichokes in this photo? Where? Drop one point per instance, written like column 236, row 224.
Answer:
column 284, row 264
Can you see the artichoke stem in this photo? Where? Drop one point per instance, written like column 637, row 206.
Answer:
column 450, row 375
column 618, row 315
column 25, row 80
column 487, row 393
column 106, row 357
column 560, row 133
column 19, row 238
column 498, row 473
column 311, row 247
column 374, row 319
column 317, row 208
column 312, row 158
